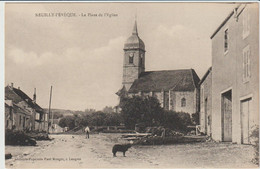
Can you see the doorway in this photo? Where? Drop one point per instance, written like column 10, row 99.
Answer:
column 245, row 122
column 226, row 114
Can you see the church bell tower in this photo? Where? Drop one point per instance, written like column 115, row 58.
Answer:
column 134, row 58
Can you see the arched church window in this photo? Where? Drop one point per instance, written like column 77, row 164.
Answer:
column 131, row 58
column 183, row 102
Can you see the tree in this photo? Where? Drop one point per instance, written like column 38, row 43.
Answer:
column 68, row 121
column 138, row 109
column 85, row 120
column 97, row 119
column 108, row 109
column 57, row 115
column 89, row 111
column 113, row 119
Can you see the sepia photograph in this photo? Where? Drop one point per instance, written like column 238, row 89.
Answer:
column 131, row 85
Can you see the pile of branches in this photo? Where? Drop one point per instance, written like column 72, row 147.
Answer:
column 161, row 136
column 39, row 135
column 164, row 132
column 158, row 140
column 18, row 138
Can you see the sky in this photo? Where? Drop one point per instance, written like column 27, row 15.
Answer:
column 82, row 56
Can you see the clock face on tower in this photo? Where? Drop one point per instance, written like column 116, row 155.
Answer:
column 131, row 58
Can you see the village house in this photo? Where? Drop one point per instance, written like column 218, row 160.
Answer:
column 235, row 76
column 176, row 90
column 16, row 117
column 23, row 113
column 55, row 128
column 206, row 103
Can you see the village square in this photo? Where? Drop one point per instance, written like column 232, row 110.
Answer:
column 174, row 118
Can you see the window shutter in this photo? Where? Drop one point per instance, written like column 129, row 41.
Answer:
column 244, row 67
column 248, row 22
column 249, row 63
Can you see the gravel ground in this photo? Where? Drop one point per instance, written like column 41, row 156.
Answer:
column 75, row 151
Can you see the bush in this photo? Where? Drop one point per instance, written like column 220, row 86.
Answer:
column 255, row 138
column 145, row 110
column 178, row 121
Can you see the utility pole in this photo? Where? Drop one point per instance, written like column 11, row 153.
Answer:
column 50, row 111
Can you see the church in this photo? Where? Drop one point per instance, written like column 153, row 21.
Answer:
column 176, row 90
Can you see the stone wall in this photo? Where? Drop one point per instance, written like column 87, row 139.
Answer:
column 205, row 104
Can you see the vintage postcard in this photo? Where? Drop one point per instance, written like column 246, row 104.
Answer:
column 131, row 84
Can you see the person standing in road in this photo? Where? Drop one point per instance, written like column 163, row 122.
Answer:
column 87, row 130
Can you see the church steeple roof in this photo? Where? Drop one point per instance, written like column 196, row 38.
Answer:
column 134, row 41
column 135, row 32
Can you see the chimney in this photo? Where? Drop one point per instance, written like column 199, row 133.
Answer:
column 12, row 86
column 235, row 14
column 34, row 96
column 19, row 88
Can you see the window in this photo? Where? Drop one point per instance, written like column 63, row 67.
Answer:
column 246, row 24
column 20, row 121
column 23, row 121
column 183, row 102
column 131, row 58
column 226, row 41
column 11, row 113
column 141, row 61
column 46, row 117
column 37, row 116
column 246, row 64
column 166, row 100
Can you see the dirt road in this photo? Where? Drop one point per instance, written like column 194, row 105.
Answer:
column 75, row 151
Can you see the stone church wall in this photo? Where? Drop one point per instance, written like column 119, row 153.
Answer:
column 159, row 96
column 190, row 106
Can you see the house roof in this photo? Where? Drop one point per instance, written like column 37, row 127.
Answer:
column 228, row 17
column 205, row 75
column 176, row 80
column 17, row 108
column 9, row 103
column 17, row 95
